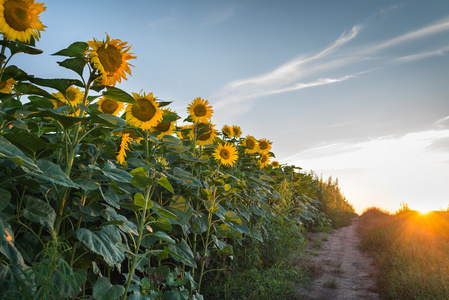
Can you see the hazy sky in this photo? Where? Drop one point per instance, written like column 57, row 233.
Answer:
column 357, row 90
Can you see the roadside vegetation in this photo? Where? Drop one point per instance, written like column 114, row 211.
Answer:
column 410, row 250
column 107, row 194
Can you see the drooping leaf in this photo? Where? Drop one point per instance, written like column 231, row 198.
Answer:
column 104, row 290
column 53, row 173
column 76, row 49
column 104, row 242
column 164, row 182
column 5, row 198
column 111, row 171
column 9, row 151
column 117, row 94
column 39, row 211
column 184, row 253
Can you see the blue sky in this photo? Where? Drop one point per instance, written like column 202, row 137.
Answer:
column 357, row 90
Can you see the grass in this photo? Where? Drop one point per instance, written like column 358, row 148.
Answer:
column 411, row 251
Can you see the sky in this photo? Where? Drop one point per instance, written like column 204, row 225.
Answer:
column 356, row 90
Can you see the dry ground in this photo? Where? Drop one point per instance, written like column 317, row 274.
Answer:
column 345, row 272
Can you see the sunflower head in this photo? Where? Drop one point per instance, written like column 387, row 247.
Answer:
column 250, row 143
column 185, row 132
column 264, row 145
column 236, row 131
column 164, row 127
column 110, row 58
column 145, row 114
column 264, row 160
column 73, row 96
column 226, row 154
column 227, row 131
column 108, row 106
column 200, row 111
column 206, row 133
column 19, row 20
column 6, row 86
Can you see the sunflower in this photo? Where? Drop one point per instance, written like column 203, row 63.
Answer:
column 275, row 164
column 264, row 160
column 205, row 134
column 185, row 132
column 109, row 106
column 73, row 96
column 19, row 19
column 237, row 132
column 226, row 154
column 199, row 110
column 6, row 86
column 145, row 114
column 251, row 144
column 264, row 145
column 110, row 58
column 227, row 130
column 165, row 128
column 124, row 145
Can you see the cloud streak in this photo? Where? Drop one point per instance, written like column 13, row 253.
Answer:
column 317, row 70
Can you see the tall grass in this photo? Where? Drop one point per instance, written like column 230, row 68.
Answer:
column 411, row 251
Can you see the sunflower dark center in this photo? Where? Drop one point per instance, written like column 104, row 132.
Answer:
column 163, row 127
column 263, row 145
column 200, row 110
column 110, row 58
column 109, row 106
column 145, row 111
column 70, row 95
column 224, row 153
column 17, row 15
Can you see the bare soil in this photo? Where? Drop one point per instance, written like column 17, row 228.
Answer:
column 345, row 272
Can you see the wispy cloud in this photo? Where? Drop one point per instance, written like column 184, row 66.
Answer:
column 325, row 67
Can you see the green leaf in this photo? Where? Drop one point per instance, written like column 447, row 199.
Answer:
column 5, row 198
column 11, row 152
column 111, row 171
column 104, row 290
column 117, row 94
column 164, row 236
column 52, row 173
column 29, row 143
column 139, row 200
column 60, row 84
column 65, row 121
column 75, row 64
column 164, row 182
column 76, row 49
column 39, row 211
column 104, row 242
column 141, row 177
column 183, row 253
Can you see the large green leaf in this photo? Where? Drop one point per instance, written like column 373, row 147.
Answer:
column 53, row 173
column 76, row 49
column 9, row 151
column 183, row 253
column 104, row 290
column 104, row 242
column 39, row 211
column 5, row 198
column 117, row 94
column 111, row 171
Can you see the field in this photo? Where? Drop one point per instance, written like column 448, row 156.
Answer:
column 410, row 250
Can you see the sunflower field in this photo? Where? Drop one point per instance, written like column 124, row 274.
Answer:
column 106, row 194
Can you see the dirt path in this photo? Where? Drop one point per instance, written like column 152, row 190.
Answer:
column 346, row 272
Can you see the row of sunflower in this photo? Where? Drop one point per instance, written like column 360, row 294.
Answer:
column 103, row 194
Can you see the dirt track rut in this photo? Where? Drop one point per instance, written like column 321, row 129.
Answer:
column 347, row 272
